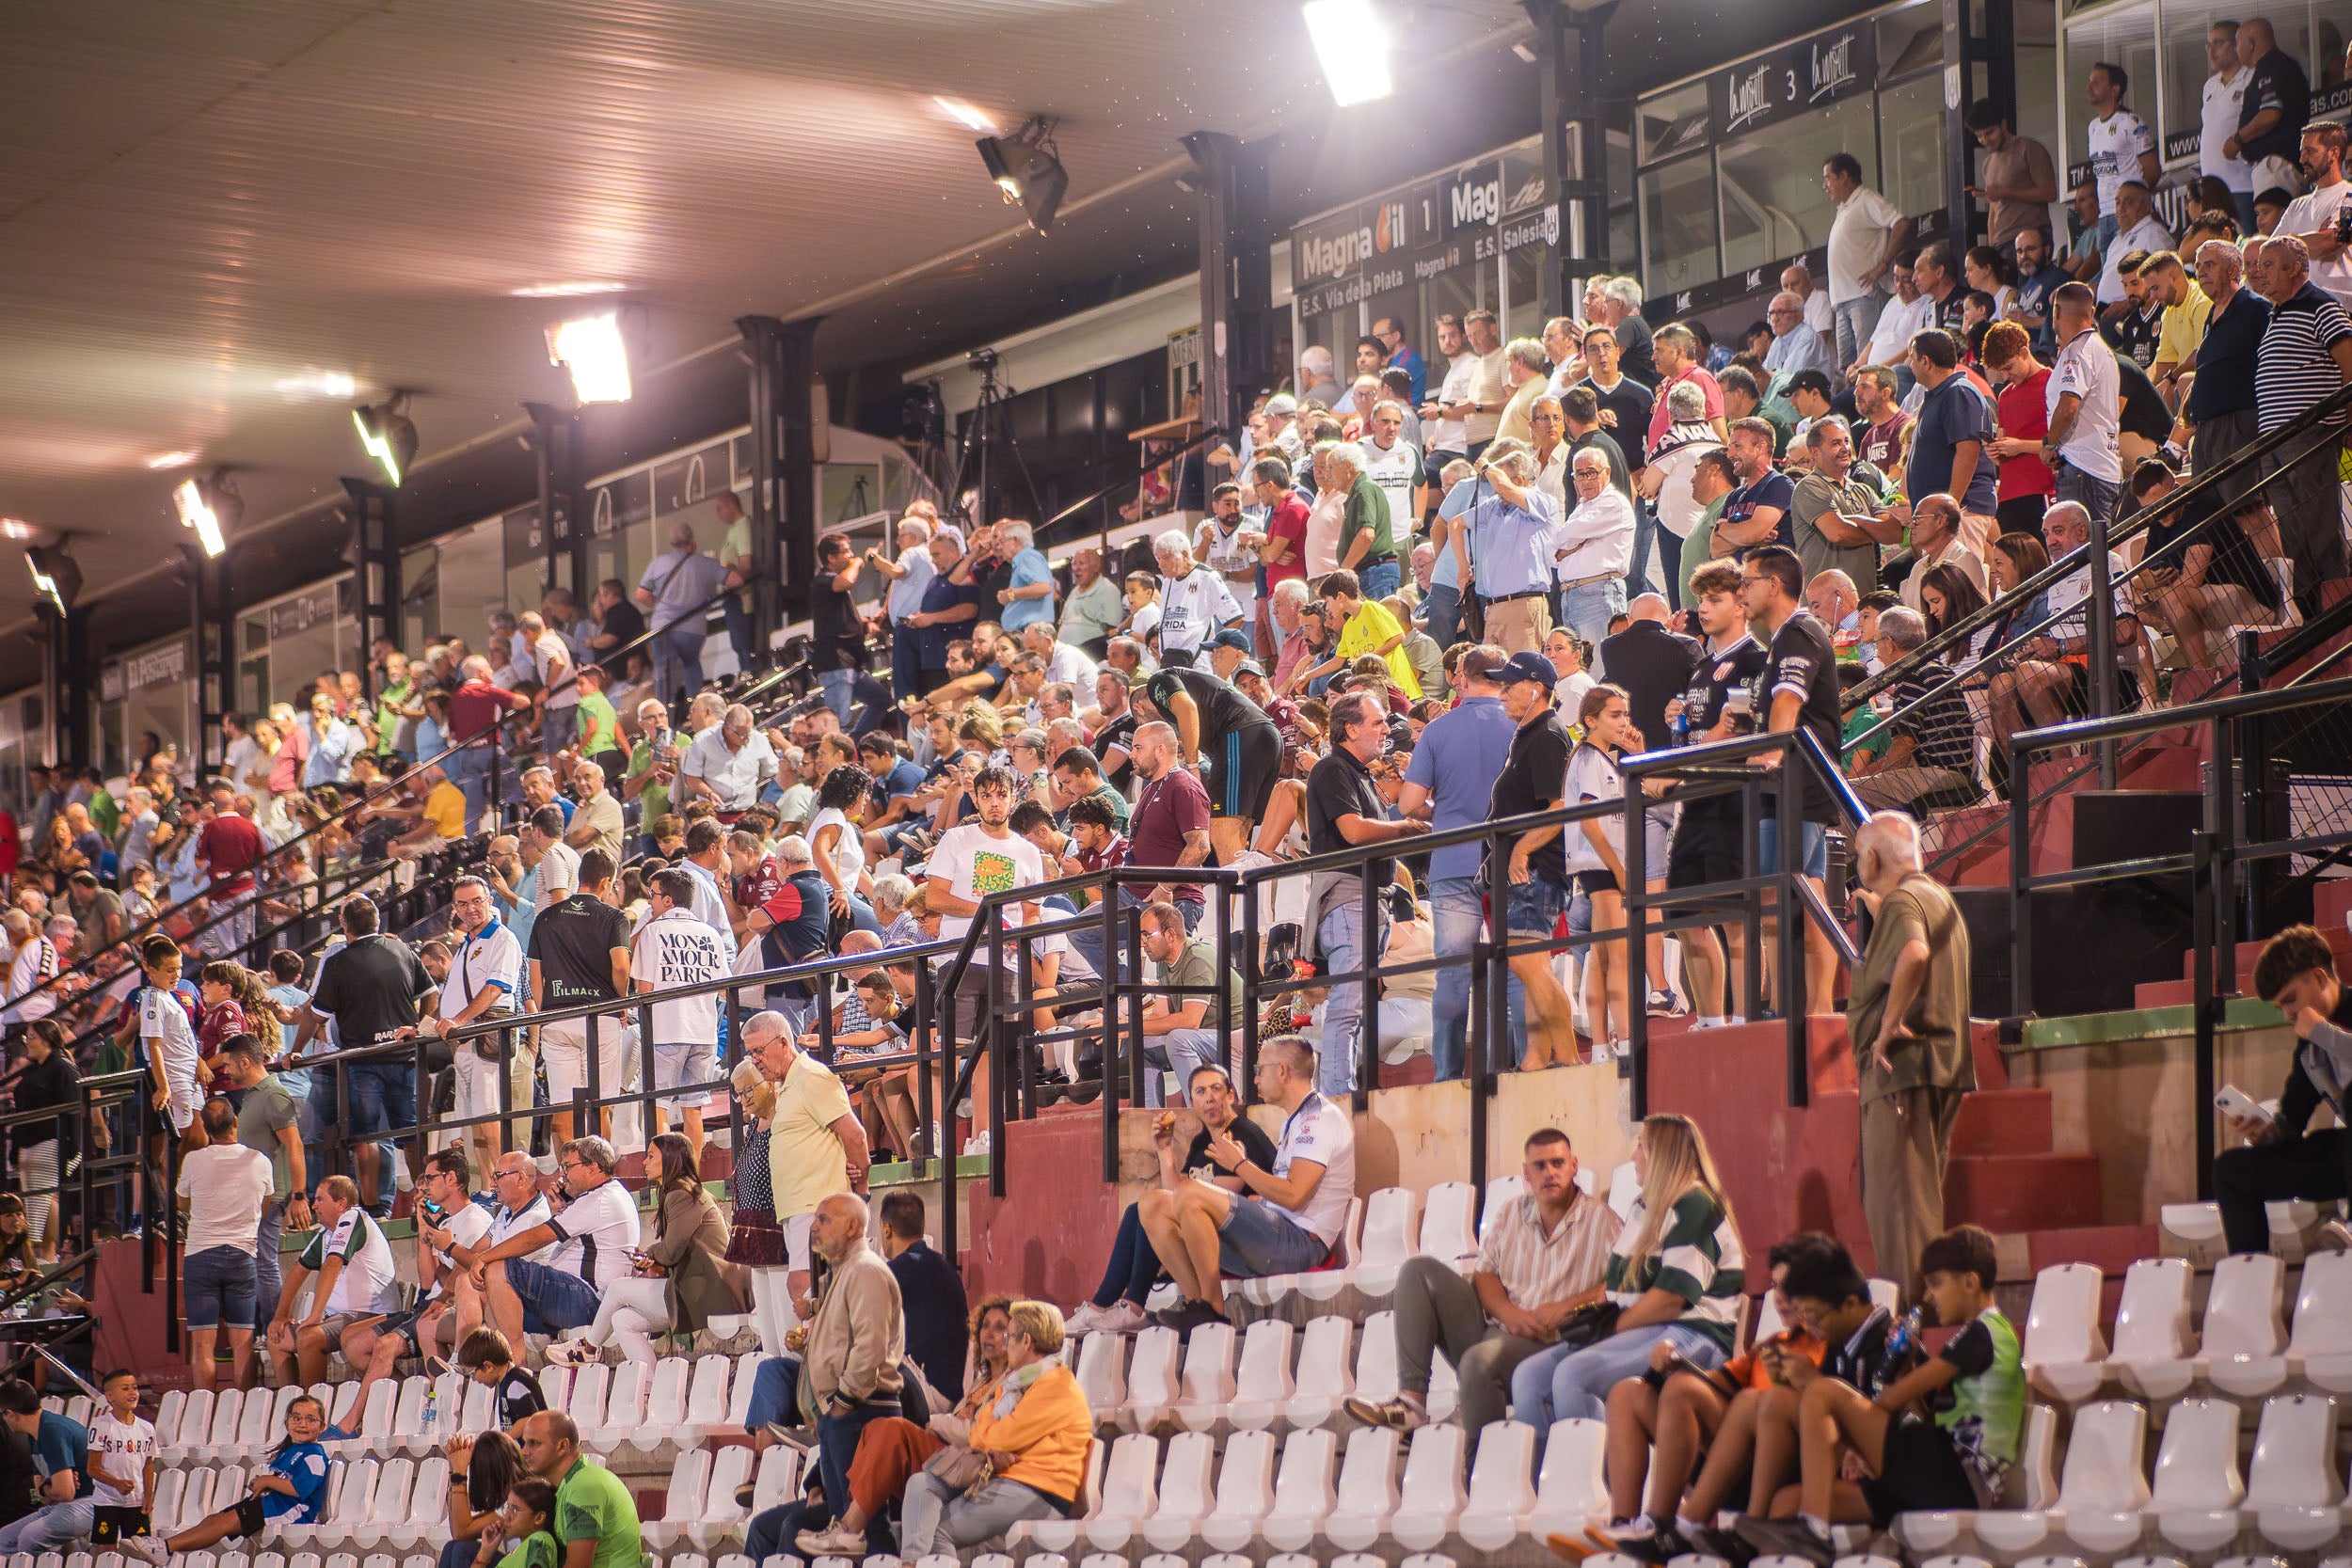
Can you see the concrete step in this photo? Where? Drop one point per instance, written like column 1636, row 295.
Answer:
column 1995, row 1123
column 2028, row 1192
column 2339, row 939
column 2331, row 902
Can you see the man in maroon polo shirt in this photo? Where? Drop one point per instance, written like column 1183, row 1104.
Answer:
column 475, row 710
column 228, row 848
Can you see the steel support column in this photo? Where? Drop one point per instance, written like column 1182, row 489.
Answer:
column 1569, row 85
column 1236, row 232
column 556, row 440
column 212, row 619
column 1979, row 62
column 784, row 470
column 376, row 563
column 69, row 678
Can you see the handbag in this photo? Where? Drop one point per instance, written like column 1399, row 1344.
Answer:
column 1588, row 1325
column 959, row 1467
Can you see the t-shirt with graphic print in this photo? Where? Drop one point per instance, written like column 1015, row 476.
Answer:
column 1984, row 1409
column 974, row 863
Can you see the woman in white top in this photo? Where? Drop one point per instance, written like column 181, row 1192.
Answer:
column 1595, row 856
column 839, row 849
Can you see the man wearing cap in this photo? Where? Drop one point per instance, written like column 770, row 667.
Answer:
column 1227, row 738
column 1505, row 553
column 1534, row 884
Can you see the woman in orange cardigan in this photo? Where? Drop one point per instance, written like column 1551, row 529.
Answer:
column 1035, row 1433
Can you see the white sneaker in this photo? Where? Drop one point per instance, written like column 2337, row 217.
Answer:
column 1086, row 1318
column 2336, row 1235
column 1122, row 1317
column 149, row 1547
column 977, row 1143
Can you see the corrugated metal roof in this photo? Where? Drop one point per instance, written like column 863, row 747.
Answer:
column 204, row 203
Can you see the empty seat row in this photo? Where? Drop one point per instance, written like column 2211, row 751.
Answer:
column 2243, row 1348
column 398, row 1502
column 1283, row 1377
column 2291, row 1496
column 700, row 1505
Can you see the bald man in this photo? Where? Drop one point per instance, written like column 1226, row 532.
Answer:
column 1653, row 664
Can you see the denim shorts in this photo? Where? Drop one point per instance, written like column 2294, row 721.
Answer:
column 217, row 1287
column 1258, row 1240
column 1816, row 842
column 383, row 1097
column 1537, row 907
column 552, row 1300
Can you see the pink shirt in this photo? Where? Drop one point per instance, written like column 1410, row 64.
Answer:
column 1659, row 419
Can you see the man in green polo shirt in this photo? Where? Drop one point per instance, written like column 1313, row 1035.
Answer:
column 596, row 1519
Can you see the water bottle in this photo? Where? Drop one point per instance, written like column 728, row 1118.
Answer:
column 433, row 1409
column 1679, row 725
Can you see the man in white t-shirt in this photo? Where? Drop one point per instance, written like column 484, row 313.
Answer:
column 670, row 950
column 1228, row 545
column 558, row 862
column 223, row 1187
column 1395, row 464
column 2118, row 142
column 552, row 665
column 594, row 1238
column 484, row 983
column 447, row 1215
column 1445, row 436
column 1863, row 240
column 2084, row 396
column 971, row 860
column 354, row 1266
column 2312, row 217
column 1193, row 602
column 2224, row 106
column 1284, row 1220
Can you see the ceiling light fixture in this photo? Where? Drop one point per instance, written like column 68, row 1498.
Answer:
column 207, row 506
column 591, row 348
column 1353, row 44
column 17, row 529
column 163, row 460
column 566, row 291
column 56, row 576
column 972, row 117
column 389, row 435
column 1026, row 167
column 318, row 384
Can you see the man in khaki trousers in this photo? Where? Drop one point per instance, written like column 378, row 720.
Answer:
column 1908, row 1017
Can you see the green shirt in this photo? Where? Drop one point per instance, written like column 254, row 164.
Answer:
column 1987, row 1401
column 1197, row 966
column 599, row 726
column 1940, row 1055
column 103, row 813
column 1695, row 546
column 389, row 702
column 1367, row 508
column 1696, row 1256
column 537, row 1551
column 269, row 1109
column 654, row 799
column 1117, row 803
column 591, row 1504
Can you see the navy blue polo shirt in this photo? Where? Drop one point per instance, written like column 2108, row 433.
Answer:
column 2225, row 358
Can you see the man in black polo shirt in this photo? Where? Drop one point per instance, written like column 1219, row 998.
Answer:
column 1243, row 750
column 2220, row 404
column 1533, row 888
column 1653, row 664
column 579, row 954
column 1799, row 686
column 1707, row 841
column 373, row 985
column 1344, row 808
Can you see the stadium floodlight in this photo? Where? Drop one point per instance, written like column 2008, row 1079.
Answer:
column 207, row 506
column 592, row 349
column 1026, row 167
column 1352, row 42
column 389, row 435
column 56, row 577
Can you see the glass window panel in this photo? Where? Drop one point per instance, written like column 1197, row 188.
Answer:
column 420, row 599
column 2317, row 43
column 1672, row 121
column 472, row 577
column 298, row 659
column 1678, row 227
column 1912, row 39
column 1623, row 239
column 1522, row 280
column 2126, row 36
column 2186, row 66
column 1910, row 127
column 1773, row 205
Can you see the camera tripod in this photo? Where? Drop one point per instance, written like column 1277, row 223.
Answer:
column 978, row 463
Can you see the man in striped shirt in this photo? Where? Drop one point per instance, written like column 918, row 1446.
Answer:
column 2305, row 358
column 1542, row 1256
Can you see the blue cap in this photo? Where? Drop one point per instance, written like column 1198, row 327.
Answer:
column 1234, row 637
column 1527, row 667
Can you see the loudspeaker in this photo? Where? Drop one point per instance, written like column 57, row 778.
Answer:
column 2112, row 826
column 2093, row 945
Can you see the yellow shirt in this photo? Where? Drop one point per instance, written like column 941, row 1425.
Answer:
column 2184, row 327
column 805, row 1161
column 1365, row 631
column 445, row 808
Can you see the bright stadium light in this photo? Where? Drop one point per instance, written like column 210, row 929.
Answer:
column 1026, row 167
column 591, row 348
column 57, row 576
column 389, row 435
column 1353, row 44
column 207, row 506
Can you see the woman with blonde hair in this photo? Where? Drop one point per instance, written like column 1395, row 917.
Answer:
column 1676, row 1278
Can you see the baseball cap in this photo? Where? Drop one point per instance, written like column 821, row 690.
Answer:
column 1250, row 667
column 1232, row 637
column 1809, row 381
column 1527, row 667
column 1281, row 403
column 950, row 532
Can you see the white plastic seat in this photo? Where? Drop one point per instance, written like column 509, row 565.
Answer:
column 1391, row 1234
column 739, row 1389
column 1502, row 1490
column 1245, row 1490
column 625, row 1406
column 193, row 1428
column 722, row 1515
column 585, row 1403
column 2243, row 1322
column 1103, row 1371
column 689, row 1481
column 343, row 1559
column 1429, row 1498
column 1186, row 1493
column 353, row 1504
column 1929, row 1532
column 395, row 1478
column 1056, row 1536
column 170, row 1487
column 1500, row 1191
column 1322, row 1380
column 2104, row 1488
column 1446, row 1213
column 1262, row 1380
column 2293, row 1489
column 1152, row 1380
column 1130, row 1493
column 662, row 1416
column 555, row 1386
column 1208, row 1383
column 1315, row 1285
column 1376, row 1359
column 220, row 1441
column 2065, row 1358
column 1767, row 1319
column 2198, row 1487
column 1302, row 1490
column 2152, row 1327
column 408, row 1413
column 428, row 1505
column 778, row 1480
column 169, row 1412
column 1623, row 1187
column 1573, row 1484
column 2320, row 1350
column 1365, row 1497
column 706, row 1398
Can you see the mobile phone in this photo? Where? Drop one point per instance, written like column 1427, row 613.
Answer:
column 2235, row 1101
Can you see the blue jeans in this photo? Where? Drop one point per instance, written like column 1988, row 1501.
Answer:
column 1457, row 911
column 1857, row 318
column 382, row 1098
column 552, row 1300
column 737, row 609
column 1378, row 579
column 50, row 1528
column 1645, row 532
column 559, row 728
column 775, row 1393
column 906, row 661
column 1444, row 608
column 1342, row 938
column 1555, row 1384
column 836, row 1445
column 267, row 1281
column 1181, row 1051
column 677, row 659
column 1134, row 1268
column 469, row 770
column 837, row 684
column 1585, row 611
